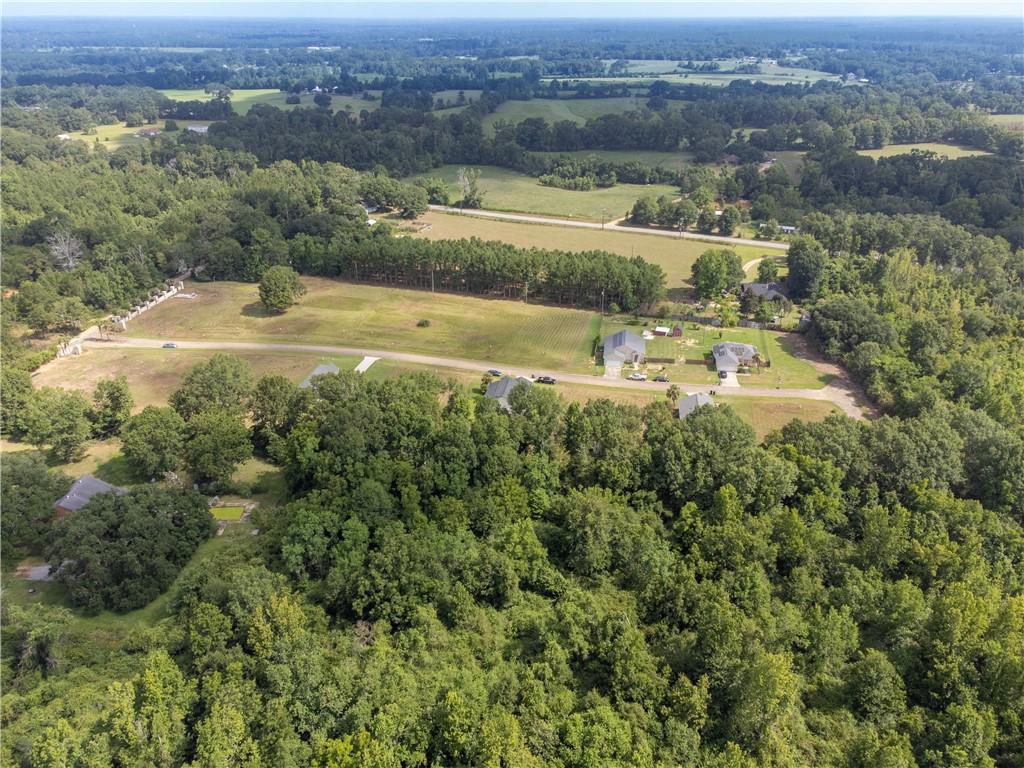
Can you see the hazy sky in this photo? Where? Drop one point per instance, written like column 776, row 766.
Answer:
column 485, row 9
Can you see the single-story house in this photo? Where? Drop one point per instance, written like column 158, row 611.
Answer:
column 81, row 493
column 624, row 347
column 691, row 403
column 787, row 229
column 766, row 291
column 500, row 389
column 323, row 369
column 730, row 356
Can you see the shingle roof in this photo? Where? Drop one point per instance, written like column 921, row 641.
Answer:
column 623, row 344
column 501, row 388
column 691, row 403
column 320, row 370
column 82, row 491
column 770, row 291
column 729, row 355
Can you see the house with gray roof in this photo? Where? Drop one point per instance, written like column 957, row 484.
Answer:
column 730, row 356
column 691, row 403
column 323, row 369
column 624, row 347
column 81, row 493
column 500, row 389
column 765, row 291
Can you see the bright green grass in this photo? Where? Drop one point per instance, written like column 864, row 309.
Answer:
column 674, row 160
column 376, row 317
column 787, row 370
column 243, row 99
column 227, row 513
column 946, row 150
column 554, row 110
column 510, row 191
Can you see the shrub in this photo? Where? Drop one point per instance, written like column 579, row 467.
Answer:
column 423, row 324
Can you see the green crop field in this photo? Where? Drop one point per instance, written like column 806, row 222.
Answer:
column 374, row 317
column 674, row 255
column 506, row 190
column 946, row 150
column 787, row 370
column 243, row 99
column 553, row 110
column 655, row 159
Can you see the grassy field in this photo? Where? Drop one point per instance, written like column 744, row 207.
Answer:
column 790, row 159
column 946, row 150
column 375, row 317
column 766, row 414
column 155, row 374
column 648, row 71
column 228, row 514
column 675, row 256
column 1010, row 122
column 692, row 350
column 675, row 160
column 243, row 99
column 119, row 135
column 510, row 191
column 554, row 110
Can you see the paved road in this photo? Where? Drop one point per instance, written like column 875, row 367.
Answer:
column 610, row 226
column 837, row 393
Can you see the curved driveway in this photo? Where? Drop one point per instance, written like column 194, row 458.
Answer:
column 611, row 226
column 836, row 392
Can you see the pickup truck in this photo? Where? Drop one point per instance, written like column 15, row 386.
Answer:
column 637, row 377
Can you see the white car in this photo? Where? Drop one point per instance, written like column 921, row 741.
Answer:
column 638, row 377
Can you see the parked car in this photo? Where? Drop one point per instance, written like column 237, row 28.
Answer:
column 170, row 345
column 545, row 380
column 661, row 378
column 638, row 377
column 494, row 372
column 723, row 374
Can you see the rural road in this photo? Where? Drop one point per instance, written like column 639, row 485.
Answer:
column 609, row 227
column 838, row 393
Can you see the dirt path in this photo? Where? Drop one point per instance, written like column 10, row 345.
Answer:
column 613, row 226
column 834, row 393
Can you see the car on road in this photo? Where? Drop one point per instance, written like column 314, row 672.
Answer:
column 545, row 380
column 494, row 372
column 661, row 378
column 638, row 377
column 170, row 345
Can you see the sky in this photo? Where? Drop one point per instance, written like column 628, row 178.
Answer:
column 523, row 9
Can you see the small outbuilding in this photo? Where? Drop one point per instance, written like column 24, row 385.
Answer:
column 624, row 347
column 500, row 389
column 324, row 369
column 691, row 403
column 82, row 492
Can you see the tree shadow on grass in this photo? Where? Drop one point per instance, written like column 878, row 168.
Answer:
column 117, row 471
column 256, row 309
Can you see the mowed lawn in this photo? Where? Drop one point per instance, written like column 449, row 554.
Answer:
column 767, row 414
column 674, row 255
column 375, row 317
column 243, row 99
column 946, row 150
column 506, row 190
column 692, row 350
column 155, row 373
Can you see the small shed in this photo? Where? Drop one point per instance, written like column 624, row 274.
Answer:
column 662, row 330
column 677, row 331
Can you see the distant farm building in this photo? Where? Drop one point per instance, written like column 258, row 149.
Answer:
column 324, row 369
column 198, row 128
column 730, row 356
column 501, row 388
column 624, row 347
column 691, row 403
column 82, row 492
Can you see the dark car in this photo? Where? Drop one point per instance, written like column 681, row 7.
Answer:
column 545, row 380
column 494, row 372
column 723, row 374
column 170, row 345
column 661, row 378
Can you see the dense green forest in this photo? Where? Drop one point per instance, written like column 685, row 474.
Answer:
column 438, row 581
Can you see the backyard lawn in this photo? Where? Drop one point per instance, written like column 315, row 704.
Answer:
column 375, row 317
column 675, row 256
column 506, row 190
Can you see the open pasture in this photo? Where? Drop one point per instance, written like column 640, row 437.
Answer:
column 951, row 151
column 506, row 190
column 245, row 98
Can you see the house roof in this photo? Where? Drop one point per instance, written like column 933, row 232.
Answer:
column 321, row 370
column 500, row 389
column 622, row 344
column 691, row 403
column 730, row 355
column 770, row 291
column 82, row 491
